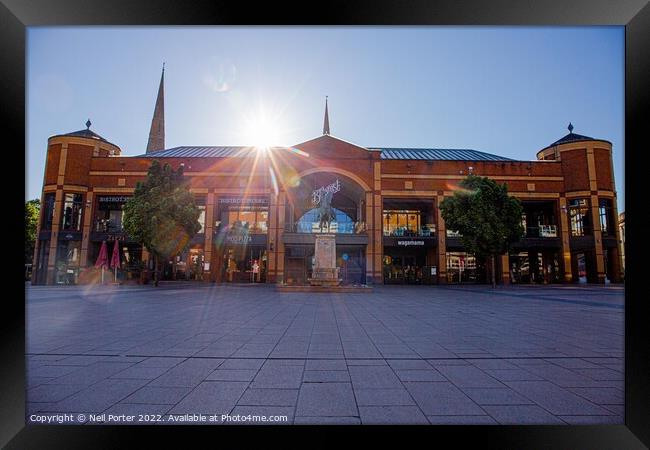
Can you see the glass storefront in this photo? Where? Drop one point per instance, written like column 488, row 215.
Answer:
column 535, row 266
column 244, row 264
column 110, row 213
column 463, row 267
column 67, row 262
column 300, row 262
column 240, row 240
column 408, row 266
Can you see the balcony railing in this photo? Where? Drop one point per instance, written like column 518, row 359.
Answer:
column 542, row 231
column 107, row 226
column 426, row 231
column 335, row 227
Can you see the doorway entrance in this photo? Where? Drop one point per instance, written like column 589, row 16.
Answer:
column 406, row 269
column 244, row 264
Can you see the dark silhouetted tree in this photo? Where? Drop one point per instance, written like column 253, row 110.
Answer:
column 488, row 219
column 162, row 214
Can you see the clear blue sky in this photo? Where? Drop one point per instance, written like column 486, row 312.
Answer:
column 504, row 90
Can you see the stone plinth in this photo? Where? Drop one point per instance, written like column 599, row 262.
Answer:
column 325, row 271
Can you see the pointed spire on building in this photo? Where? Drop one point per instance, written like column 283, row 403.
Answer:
column 326, row 122
column 570, row 127
column 157, row 131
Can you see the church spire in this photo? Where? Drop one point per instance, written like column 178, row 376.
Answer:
column 326, row 122
column 157, row 132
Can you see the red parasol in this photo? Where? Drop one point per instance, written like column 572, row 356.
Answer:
column 115, row 259
column 102, row 259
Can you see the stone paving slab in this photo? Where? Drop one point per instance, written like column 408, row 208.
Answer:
column 402, row 355
column 326, row 399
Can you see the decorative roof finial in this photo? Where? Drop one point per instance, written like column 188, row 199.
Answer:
column 163, row 66
column 570, row 127
column 88, row 124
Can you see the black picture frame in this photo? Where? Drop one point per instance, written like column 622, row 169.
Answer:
column 16, row 15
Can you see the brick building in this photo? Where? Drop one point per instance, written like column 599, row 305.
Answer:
column 259, row 213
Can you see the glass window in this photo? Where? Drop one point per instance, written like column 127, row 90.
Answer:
column 67, row 262
column 579, row 217
column 605, row 211
column 404, row 223
column 48, row 211
column 202, row 218
column 110, row 214
column 252, row 219
column 310, row 223
column 72, row 207
column 461, row 267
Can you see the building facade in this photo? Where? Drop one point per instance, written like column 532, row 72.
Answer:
column 621, row 231
column 259, row 210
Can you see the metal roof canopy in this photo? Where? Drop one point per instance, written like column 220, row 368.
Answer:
column 429, row 154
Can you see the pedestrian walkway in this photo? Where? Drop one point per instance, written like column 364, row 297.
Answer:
column 401, row 355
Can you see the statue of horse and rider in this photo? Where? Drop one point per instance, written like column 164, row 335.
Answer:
column 326, row 213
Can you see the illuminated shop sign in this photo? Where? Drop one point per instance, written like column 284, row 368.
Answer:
column 408, row 243
column 112, row 199
column 238, row 239
column 244, row 201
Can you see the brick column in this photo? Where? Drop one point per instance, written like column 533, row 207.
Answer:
column 208, row 233
column 56, row 225
column 377, row 236
column 441, row 235
column 566, row 249
column 37, row 243
column 598, row 239
column 505, row 269
column 616, row 254
column 87, row 228
column 56, row 220
column 272, row 240
column 279, row 243
column 370, row 248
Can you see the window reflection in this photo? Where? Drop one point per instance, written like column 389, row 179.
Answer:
column 310, row 222
column 397, row 222
column 72, row 208
column 579, row 216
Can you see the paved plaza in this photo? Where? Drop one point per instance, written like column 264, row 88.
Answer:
column 399, row 355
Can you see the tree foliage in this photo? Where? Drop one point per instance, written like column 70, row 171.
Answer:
column 488, row 219
column 32, row 211
column 162, row 214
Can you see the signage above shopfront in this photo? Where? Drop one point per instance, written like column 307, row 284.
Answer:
column 238, row 239
column 317, row 194
column 244, row 201
column 409, row 243
column 112, row 199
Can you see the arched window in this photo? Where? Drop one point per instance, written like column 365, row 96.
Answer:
column 309, row 222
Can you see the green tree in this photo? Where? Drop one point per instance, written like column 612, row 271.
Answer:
column 162, row 214
column 32, row 211
column 486, row 216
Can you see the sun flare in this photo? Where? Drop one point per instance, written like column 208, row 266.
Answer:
column 262, row 131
